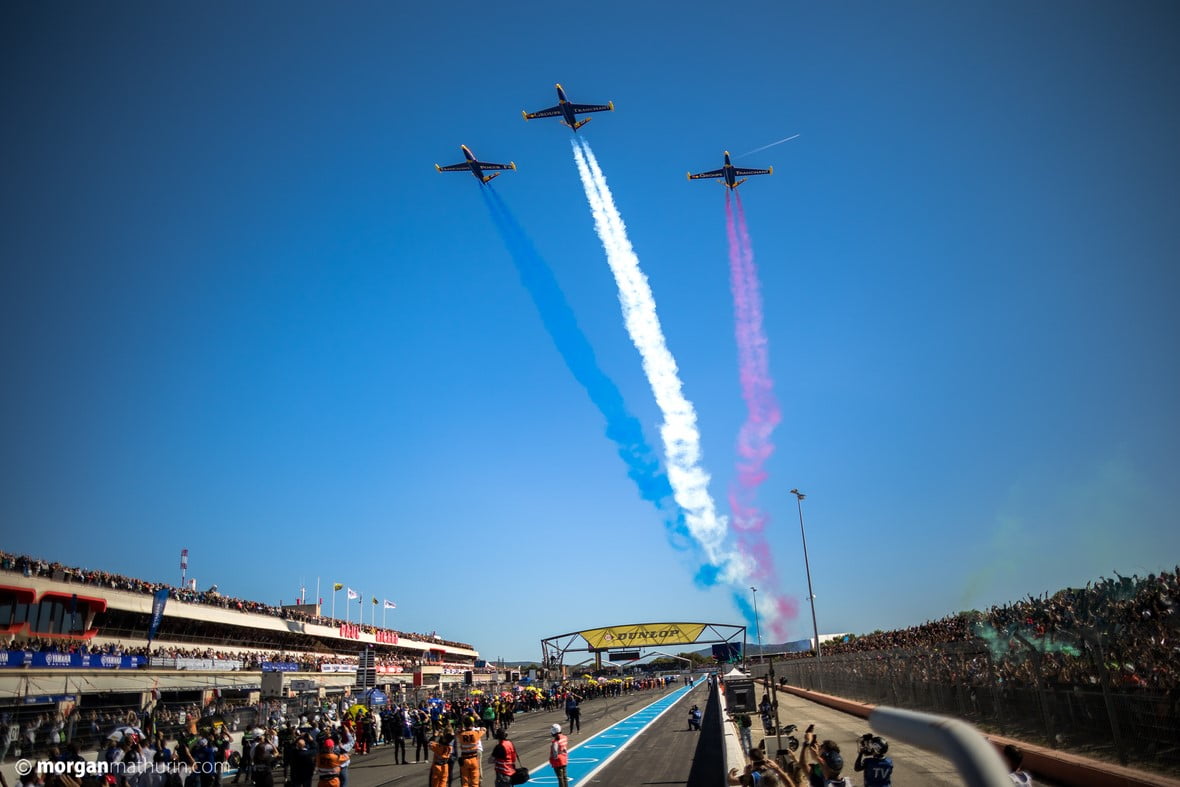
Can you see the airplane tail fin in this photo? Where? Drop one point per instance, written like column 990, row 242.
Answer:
column 490, row 178
column 578, row 124
column 739, row 182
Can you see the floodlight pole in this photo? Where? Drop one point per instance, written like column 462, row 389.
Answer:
column 810, row 593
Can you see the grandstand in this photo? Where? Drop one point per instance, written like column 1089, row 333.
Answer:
column 1094, row 669
column 76, row 638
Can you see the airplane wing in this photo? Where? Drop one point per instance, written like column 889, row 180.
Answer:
column 741, row 173
column 582, row 108
column 551, row 112
column 464, row 167
column 715, row 173
column 486, row 165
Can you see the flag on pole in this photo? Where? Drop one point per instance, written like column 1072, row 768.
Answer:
column 389, row 604
column 159, row 601
column 374, row 601
column 337, row 586
column 353, row 594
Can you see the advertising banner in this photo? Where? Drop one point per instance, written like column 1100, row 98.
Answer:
column 643, row 635
column 337, row 668
column 30, row 658
column 279, row 666
column 224, row 665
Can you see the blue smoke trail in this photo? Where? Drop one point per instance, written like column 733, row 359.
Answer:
column 622, row 428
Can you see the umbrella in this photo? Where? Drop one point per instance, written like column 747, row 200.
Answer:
column 119, row 733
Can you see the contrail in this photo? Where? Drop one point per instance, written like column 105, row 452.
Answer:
column 679, row 431
column 622, row 428
column 767, row 147
column 754, row 444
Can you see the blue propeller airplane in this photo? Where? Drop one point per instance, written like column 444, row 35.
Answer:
column 475, row 166
column 569, row 112
column 729, row 174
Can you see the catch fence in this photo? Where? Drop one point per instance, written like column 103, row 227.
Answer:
column 1128, row 725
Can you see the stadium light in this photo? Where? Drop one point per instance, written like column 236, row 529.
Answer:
column 807, row 567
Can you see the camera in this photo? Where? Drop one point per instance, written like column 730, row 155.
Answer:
column 872, row 745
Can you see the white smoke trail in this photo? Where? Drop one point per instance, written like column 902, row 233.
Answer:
column 767, row 147
column 679, row 432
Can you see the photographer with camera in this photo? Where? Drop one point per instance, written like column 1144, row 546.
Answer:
column 823, row 762
column 761, row 771
column 871, row 759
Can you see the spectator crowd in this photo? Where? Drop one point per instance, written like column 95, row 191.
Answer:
column 1126, row 628
column 29, row 566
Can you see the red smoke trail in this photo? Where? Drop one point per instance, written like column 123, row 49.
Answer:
column 754, row 445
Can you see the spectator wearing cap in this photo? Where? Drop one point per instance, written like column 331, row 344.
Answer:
column 329, row 763
column 824, row 764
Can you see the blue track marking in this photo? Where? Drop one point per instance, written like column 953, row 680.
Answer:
column 597, row 750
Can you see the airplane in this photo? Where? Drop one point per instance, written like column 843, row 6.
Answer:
column 475, row 166
column 568, row 112
column 729, row 174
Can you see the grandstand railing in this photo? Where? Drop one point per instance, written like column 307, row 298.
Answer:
column 1140, row 726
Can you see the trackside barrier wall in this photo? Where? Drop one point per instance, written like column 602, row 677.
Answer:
column 1054, row 766
column 731, row 741
column 1121, row 723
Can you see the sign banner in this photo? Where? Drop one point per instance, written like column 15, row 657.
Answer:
column 158, row 601
column 51, row 699
column 29, row 658
column 643, row 635
column 196, row 664
column 279, row 666
column 337, row 668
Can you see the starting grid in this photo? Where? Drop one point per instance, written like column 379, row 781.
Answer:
column 594, row 753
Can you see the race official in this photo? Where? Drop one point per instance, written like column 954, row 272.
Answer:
column 559, row 755
column 504, row 759
column 470, row 744
column 329, row 764
column 441, row 763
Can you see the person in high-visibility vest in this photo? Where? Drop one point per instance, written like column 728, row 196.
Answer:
column 504, row 759
column 470, row 747
column 559, row 755
column 440, row 765
column 328, row 764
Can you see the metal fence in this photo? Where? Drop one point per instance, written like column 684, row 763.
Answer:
column 1129, row 726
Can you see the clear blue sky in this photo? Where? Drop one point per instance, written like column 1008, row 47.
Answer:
column 241, row 312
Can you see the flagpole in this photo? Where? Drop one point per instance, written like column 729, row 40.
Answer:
column 317, row 595
column 334, row 592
